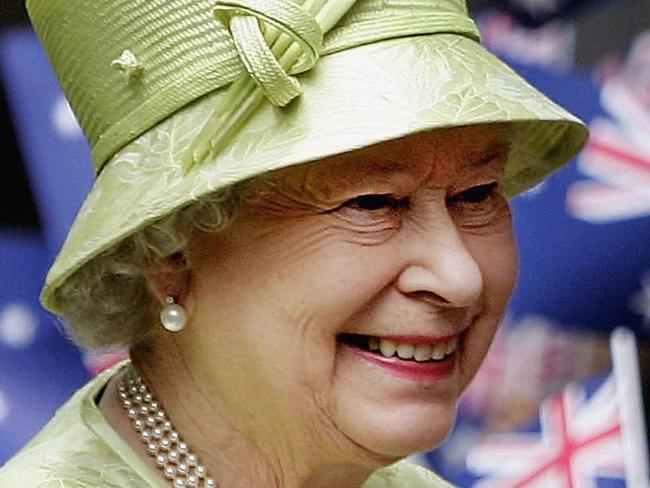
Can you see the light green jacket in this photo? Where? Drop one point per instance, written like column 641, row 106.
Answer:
column 79, row 449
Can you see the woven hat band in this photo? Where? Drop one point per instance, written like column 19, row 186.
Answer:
column 126, row 65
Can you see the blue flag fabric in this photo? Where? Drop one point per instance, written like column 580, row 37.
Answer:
column 54, row 148
column 537, row 12
column 39, row 369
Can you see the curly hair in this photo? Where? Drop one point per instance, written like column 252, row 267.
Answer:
column 108, row 303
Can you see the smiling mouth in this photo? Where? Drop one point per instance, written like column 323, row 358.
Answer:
column 414, row 350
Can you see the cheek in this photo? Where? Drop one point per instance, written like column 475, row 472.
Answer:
column 320, row 277
column 495, row 252
column 295, row 285
column 497, row 257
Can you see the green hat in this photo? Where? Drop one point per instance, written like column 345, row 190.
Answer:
column 180, row 98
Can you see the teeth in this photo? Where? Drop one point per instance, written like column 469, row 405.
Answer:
column 387, row 348
column 423, row 352
column 419, row 352
column 439, row 351
column 405, row 351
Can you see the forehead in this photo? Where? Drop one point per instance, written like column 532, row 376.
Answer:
column 441, row 155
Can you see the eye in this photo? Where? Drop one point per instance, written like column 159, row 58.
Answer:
column 474, row 195
column 371, row 203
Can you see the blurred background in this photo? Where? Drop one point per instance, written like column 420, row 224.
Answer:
column 584, row 238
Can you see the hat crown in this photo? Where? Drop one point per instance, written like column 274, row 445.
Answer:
column 126, row 65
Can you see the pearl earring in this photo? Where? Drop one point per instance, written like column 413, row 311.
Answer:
column 173, row 317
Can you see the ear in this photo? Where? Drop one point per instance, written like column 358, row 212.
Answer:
column 169, row 276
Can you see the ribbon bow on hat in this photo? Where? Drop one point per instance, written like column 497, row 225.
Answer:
column 243, row 18
column 291, row 43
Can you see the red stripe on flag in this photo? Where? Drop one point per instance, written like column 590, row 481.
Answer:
column 627, row 157
column 569, row 447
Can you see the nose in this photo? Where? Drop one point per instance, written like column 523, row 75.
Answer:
column 441, row 269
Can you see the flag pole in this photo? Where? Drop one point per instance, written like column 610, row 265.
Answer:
column 625, row 363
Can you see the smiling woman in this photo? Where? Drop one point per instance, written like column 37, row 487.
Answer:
column 410, row 245
column 306, row 286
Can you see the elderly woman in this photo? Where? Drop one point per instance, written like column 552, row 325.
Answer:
column 299, row 230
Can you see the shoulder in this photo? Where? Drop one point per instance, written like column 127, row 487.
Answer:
column 67, row 453
column 405, row 475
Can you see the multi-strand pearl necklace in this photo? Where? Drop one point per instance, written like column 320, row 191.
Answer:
column 164, row 444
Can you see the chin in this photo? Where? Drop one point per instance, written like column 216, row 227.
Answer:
column 399, row 431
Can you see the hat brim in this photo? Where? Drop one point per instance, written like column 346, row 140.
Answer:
column 351, row 99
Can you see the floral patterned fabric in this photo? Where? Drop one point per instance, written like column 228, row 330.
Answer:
column 79, row 449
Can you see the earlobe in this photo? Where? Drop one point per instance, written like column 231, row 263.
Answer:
column 169, row 280
column 169, row 277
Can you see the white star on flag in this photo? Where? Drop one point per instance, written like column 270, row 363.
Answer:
column 18, row 325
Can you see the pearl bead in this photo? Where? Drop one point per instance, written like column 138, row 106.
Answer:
column 170, row 453
column 173, row 318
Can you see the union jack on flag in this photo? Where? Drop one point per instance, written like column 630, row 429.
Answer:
column 619, row 188
column 617, row 157
column 578, row 445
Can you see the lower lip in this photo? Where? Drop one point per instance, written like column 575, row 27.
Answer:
column 412, row 370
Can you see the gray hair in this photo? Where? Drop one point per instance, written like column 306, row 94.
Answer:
column 108, row 303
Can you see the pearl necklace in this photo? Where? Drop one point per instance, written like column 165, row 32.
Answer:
column 172, row 455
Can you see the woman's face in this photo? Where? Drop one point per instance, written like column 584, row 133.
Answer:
column 300, row 310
